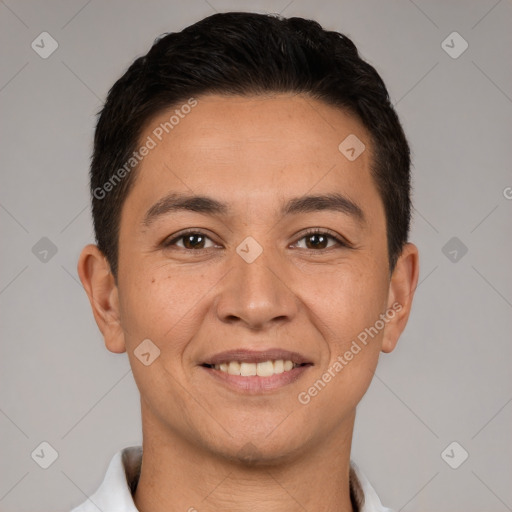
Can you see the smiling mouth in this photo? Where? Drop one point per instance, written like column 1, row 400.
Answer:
column 252, row 369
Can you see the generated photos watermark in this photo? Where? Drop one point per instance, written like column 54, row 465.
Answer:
column 304, row 397
column 150, row 143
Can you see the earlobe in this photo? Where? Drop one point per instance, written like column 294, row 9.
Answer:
column 401, row 293
column 99, row 284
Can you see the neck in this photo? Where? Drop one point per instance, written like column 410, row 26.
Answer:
column 178, row 475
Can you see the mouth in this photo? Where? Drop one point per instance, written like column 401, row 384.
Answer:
column 250, row 369
column 256, row 371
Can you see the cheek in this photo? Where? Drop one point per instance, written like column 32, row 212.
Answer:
column 347, row 301
column 164, row 306
column 347, row 305
column 352, row 353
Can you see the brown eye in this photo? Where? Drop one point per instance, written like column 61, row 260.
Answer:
column 316, row 241
column 319, row 240
column 191, row 241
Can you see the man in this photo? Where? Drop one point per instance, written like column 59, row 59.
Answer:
column 250, row 186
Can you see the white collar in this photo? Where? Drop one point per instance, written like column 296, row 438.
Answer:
column 115, row 492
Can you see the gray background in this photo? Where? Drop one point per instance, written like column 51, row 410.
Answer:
column 449, row 378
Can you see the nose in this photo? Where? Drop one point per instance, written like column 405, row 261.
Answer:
column 255, row 294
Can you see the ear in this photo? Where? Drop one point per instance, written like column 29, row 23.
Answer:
column 99, row 283
column 401, row 293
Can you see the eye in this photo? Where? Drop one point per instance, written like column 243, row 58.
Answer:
column 318, row 239
column 314, row 240
column 190, row 240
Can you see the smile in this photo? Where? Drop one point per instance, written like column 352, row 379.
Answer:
column 263, row 369
column 256, row 372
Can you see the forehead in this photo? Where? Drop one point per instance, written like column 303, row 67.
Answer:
column 286, row 126
column 254, row 150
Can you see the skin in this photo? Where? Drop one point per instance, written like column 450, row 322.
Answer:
column 207, row 446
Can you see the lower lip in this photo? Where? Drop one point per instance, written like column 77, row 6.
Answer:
column 256, row 384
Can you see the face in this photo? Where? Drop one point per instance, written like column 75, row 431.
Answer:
column 250, row 243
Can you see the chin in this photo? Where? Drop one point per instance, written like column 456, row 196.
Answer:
column 260, row 450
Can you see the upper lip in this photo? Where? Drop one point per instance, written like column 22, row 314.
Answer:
column 256, row 356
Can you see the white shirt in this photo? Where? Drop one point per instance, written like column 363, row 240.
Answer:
column 115, row 494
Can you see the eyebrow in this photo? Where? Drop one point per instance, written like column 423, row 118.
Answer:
column 203, row 204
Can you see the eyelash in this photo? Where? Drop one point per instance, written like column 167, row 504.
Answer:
column 314, row 231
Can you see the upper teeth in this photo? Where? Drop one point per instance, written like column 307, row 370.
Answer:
column 264, row 369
